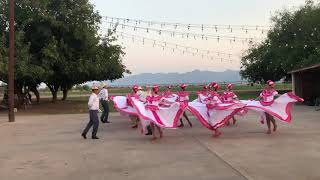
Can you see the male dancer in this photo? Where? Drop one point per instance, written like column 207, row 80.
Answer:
column 93, row 105
column 104, row 99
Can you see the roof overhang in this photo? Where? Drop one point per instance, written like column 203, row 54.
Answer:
column 305, row 68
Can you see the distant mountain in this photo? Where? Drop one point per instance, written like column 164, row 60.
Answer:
column 194, row 77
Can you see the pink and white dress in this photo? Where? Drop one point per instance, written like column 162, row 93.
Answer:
column 203, row 96
column 183, row 98
column 123, row 105
column 279, row 108
column 268, row 97
column 228, row 97
column 215, row 96
column 164, row 116
column 169, row 97
column 212, row 113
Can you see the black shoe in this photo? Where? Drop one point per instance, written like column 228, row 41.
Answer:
column 95, row 137
column 149, row 134
column 107, row 122
column 102, row 121
column 84, row 136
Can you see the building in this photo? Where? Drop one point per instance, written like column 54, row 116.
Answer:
column 306, row 83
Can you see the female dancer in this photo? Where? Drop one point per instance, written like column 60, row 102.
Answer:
column 183, row 97
column 153, row 101
column 214, row 94
column 134, row 118
column 267, row 99
column 204, row 94
column 215, row 98
column 229, row 97
column 212, row 113
column 168, row 93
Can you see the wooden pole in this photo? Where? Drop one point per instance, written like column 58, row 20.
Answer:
column 11, row 63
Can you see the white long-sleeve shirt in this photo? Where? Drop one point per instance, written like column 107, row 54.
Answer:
column 104, row 95
column 93, row 103
column 142, row 95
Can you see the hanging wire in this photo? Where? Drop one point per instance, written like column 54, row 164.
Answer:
column 186, row 50
column 194, row 35
column 216, row 27
column 219, row 53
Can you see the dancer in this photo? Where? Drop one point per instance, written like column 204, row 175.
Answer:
column 183, row 97
column 124, row 106
column 212, row 113
column 266, row 99
column 134, row 117
column 268, row 107
column 93, row 105
column 204, row 94
column 144, row 124
column 104, row 99
column 153, row 101
column 214, row 92
column 229, row 97
column 169, row 97
column 154, row 110
column 168, row 93
column 214, row 98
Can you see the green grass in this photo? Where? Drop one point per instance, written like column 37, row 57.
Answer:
column 77, row 100
column 191, row 89
column 82, row 101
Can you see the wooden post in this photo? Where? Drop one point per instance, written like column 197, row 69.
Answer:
column 293, row 76
column 11, row 63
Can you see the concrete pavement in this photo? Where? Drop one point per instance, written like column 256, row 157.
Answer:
column 50, row 147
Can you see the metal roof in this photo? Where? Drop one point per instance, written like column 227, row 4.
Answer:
column 305, row 68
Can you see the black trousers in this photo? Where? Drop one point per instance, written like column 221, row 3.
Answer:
column 93, row 121
column 105, row 114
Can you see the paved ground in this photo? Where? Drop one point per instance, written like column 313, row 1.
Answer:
column 50, row 147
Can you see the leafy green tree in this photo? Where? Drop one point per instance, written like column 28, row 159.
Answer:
column 293, row 42
column 57, row 42
column 27, row 74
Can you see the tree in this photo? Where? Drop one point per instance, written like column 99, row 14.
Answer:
column 293, row 42
column 58, row 44
column 70, row 49
column 26, row 73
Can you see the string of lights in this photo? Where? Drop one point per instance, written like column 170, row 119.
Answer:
column 176, row 49
column 218, row 53
column 186, row 34
column 176, row 25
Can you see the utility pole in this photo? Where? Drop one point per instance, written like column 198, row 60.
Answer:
column 11, row 63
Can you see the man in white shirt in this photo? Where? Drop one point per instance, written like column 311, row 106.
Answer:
column 142, row 95
column 104, row 97
column 93, row 106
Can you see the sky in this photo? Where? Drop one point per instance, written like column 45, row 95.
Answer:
column 144, row 58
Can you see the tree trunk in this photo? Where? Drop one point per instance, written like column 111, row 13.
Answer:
column 36, row 93
column 54, row 91
column 54, row 96
column 20, row 95
column 65, row 87
column 65, row 94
